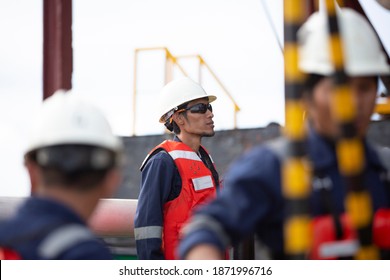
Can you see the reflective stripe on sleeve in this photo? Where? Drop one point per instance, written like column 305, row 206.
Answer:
column 62, row 239
column 148, row 232
column 203, row 222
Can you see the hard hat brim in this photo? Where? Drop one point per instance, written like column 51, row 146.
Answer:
column 211, row 98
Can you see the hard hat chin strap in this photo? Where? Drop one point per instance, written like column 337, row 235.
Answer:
column 169, row 124
column 169, row 115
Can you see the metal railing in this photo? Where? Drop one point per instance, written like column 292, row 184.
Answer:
column 296, row 175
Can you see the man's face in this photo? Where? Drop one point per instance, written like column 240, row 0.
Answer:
column 364, row 91
column 198, row 119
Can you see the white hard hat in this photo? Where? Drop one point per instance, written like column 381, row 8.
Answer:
column 178, row 92
column 65, row 118
column 362, row 51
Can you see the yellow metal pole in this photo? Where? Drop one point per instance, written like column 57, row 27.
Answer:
column 168, row 56
column 196, row 56
column 200, row 78
column 134, row 91
column 168, row 68
column 170, row 61
column 203, row 63
column 168, row 75
column 350, row 150
column 296, row 177
column 152, row 49
column 174, row 61
column 220, row 83
column 236, row 107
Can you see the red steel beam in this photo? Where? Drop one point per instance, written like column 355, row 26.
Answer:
column 57, row 46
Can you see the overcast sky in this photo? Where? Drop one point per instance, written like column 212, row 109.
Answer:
column 233, row 36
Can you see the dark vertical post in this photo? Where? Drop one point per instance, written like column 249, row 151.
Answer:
column 57, row 46
column 296, row 178
column 349, row 147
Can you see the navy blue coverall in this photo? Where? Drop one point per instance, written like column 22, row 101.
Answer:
column 252, row 201
column 46, row 229
column 160, row 183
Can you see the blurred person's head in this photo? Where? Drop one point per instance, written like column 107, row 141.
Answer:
column 72, row 150
column 364, row 62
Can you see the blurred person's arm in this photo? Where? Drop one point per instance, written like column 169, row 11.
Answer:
column 204, row 252
column 250, row 201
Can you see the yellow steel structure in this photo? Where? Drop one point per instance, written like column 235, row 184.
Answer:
column 296, row 170
column 350, row 150
column 383, row 108
column 170, row 62
column 202, row 63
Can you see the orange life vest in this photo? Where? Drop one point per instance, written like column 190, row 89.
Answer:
column 198, row 187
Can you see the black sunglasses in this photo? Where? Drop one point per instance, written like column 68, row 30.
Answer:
column 199, row 108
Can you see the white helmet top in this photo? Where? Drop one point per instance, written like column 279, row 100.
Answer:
column 176, row 93
column 362, row 51
column 65, row 118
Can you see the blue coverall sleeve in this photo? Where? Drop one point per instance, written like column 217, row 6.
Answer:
column 248, row 200
column 156, row 182
column 88, row 250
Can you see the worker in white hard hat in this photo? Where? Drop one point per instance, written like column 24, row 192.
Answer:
column 73, row 160
column 177, row 175
column 252, row 201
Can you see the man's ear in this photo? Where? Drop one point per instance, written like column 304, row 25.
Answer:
column 34, row 173
column 111, row 182
column 178, row 118
column 307, row 104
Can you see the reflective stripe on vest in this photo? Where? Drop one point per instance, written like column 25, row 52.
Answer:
column 202, row 183
column 342, row 248
column 184, row 155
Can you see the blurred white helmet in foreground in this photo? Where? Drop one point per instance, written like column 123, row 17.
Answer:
column 362, row 51
column 66, row 119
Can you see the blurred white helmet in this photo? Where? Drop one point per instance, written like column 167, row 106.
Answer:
column 64, row 118
column 178, row 92
column 362, row 51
